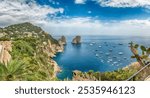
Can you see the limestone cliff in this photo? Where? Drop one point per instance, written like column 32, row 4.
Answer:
column 56, row 67
column 76, row 40
column 51, row 49
column 5, row 48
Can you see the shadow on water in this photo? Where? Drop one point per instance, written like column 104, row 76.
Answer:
column 77, row 46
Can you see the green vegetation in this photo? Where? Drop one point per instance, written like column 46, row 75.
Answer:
column 29, row 60
column 19, row 31
column 118, row 75
column 142, row 56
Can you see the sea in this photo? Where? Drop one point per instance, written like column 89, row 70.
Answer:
column 97, row 53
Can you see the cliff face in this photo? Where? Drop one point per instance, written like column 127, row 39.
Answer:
column 76, row 40
column 52, row 49
column 5, row 48
column 56, row 68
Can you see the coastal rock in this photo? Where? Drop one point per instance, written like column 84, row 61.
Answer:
column 62, row 40
column 134, row 65
column 60, row 48
column 55, row 66
column 76, row 40
column 52, row 49
column 5, row 48
column 80, row 76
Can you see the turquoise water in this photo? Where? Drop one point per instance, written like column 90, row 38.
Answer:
column 98, row 53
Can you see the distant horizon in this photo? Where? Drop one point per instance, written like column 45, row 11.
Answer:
column 83, row 34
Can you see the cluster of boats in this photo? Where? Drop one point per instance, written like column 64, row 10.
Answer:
column 111, row 59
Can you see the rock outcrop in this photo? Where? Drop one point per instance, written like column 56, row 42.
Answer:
column 76, row 40
column 62, row 40
column 81, row 76
column 5, row 48
column 134, row 65
column 52, row 49
column 56, row 67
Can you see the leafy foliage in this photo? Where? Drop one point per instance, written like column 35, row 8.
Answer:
column 29, row 61
column 144, row 57
column 118, row 75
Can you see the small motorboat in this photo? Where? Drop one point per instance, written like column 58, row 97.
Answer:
column 120, row 53
column 91, row 44
column 96, row 55
column 107, row 54
column 99, row 46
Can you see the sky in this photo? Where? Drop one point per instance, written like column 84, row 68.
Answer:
column 80, row 17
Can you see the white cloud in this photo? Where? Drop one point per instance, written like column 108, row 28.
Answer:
column 89, row 26
column 124, row 3
column 20, row 11
column 80, row 1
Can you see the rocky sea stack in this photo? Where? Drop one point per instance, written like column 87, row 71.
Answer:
column 76, row 40
column 62, row 40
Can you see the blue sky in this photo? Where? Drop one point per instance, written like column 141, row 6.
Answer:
column 93, row 9
column 84, row 17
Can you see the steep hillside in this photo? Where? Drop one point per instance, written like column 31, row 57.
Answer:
column 26, row 52
column 25, row 30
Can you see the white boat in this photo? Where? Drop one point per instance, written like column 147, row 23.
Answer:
column 102, row 61
column 115, row 62
column 96, row 55
column 119, row 60
column 120, row 53
column 110, row 60
column 107, row 54
column 91, row 44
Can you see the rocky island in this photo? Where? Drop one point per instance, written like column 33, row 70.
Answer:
column 76, row 40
